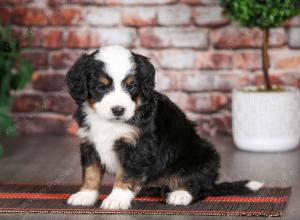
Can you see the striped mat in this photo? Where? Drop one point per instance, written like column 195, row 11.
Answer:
column 51, row 198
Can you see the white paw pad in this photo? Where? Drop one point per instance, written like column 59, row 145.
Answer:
column 83, row 198
column 179, row 197
column 118, row 199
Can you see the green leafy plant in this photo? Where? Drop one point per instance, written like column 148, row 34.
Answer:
column 264, row 14
column 15, row 72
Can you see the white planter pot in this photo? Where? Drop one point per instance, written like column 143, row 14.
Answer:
column 266, row 121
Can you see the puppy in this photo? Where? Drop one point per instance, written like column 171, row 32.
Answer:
column 130, row 130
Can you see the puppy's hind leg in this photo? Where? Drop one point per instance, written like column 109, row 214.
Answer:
column 190, row 183
column 179, row 194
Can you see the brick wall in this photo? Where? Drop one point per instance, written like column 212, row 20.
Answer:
column 198, row 54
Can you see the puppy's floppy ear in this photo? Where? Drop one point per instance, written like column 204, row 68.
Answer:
column 76, row 78
column 145, row 70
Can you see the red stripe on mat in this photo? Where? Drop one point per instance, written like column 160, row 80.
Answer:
column 42, row 184
column 146, row 211
column 145, row 199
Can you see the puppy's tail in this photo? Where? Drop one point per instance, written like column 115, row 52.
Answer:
column 236, row 188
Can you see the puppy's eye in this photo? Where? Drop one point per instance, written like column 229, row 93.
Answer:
column 130, row 87
column 101, row 87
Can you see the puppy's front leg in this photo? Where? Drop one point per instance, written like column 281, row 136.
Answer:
column 92, row 176
column 122, row 194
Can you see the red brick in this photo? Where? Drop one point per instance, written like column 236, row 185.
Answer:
column 103, row 17
column 174, row 15
column 205, row 125
column 223, row 121
column 195, row 117
column 180, row 98
column 66, row 16
column 176, row 59
column 101, row 37
column 123, row 36
column 30, row 16
column 139, row 2
column 150, row 39
column 5, row 15
column 58, row 3
column 166, row 80
column 151, row 54
column 39, row 59
column 249, row 60
column 294, row 39
column 290, row 78
column 28, row 102
column 212, row 60
column 174, row 37
column 284, row 59
column 286, row 77
column 201, row 2
column 87, row 2
column 213, row 81
column 40, row 81
column 63, row 59
column 42, row 123
column 230, row 37
column 83, row 39
column 139, row 17
column 208, row 102
column 54, row 39
column 209, row 16
column 29, row 37
column 259, row 79
column 295, row 21
column 278, row 37
column 210, row 125
column 228, row 81
column 112, row 2
column 15, row 2
column 60, row 103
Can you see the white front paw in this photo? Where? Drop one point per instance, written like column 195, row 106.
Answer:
column 83, row 198
column 179, row 197
column 118, row 199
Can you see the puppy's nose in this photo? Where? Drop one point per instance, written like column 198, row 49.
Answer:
column 118, row 110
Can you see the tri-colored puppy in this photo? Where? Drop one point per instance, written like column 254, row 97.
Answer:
column 129, row 129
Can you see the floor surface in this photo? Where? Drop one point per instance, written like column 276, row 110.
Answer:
column 55, row 159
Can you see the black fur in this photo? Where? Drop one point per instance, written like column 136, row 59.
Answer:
column 89, row 155
column 167, row 146
column 146, row 73
column 76, row 79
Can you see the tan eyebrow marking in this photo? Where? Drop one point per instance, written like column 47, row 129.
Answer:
column 103, row 80
column 129, row 80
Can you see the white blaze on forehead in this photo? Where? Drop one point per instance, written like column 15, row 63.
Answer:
column 118, row 64
column 117, row 60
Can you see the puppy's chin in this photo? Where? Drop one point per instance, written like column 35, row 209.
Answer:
column 118, row 119
column 107, row 117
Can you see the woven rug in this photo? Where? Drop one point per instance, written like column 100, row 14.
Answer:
column 39, row 198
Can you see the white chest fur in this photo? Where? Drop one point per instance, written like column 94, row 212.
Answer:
column 103, row 134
